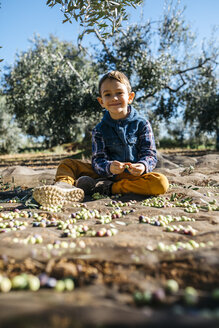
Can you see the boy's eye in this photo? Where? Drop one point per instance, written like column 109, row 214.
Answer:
column 107, row 95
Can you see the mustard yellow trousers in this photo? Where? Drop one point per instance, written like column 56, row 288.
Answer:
column 153, row 183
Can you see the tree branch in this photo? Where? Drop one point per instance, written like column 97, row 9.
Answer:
column 180, row 72
column 74, row 70
column 151, row 94
column 179, row 87
column 104, row 44
column 200, row 64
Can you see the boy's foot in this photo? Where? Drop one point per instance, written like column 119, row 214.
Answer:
column 87, row 184
column 104, row 187
column 60, row 193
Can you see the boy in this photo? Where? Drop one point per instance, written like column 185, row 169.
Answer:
column 123, row 153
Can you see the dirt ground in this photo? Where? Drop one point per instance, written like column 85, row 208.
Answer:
column 112, row 273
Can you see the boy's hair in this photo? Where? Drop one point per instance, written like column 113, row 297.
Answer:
column 116, row 75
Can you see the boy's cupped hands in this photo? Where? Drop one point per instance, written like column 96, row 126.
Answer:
column 135, row 169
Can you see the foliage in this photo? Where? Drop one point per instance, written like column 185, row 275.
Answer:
column 202, row 103
column 104, row 16
column 10, row 134
column 50, row 90
column 0, row 47
column 0, row 58
column 161, row 60
column 168, row 142
column 193, row 142
column 155, row 56
column 52, row 87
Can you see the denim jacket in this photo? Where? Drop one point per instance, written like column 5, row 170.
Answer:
column 126, row 140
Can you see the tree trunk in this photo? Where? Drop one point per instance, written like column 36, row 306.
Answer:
column 217, row 139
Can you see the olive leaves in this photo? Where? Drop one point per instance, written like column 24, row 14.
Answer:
column 103, row 16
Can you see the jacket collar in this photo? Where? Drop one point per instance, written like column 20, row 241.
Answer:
column 132, row 116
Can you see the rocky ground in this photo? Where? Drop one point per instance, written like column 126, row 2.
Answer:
column 131, row 259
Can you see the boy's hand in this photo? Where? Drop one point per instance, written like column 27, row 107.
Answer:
column 136, row 169
column 117, row 167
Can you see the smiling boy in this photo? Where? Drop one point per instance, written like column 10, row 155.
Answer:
column 115, row 97
column 123, row 142
column 123, row 152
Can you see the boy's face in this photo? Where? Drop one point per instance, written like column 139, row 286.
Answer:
column 115, row 98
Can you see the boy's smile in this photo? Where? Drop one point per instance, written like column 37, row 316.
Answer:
column 115, row 98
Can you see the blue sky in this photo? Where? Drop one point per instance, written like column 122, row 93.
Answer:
column 20, row 19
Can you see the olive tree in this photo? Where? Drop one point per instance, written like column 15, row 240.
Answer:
column 201, row 100
column 161, row 61
column 50, row 89
column 10, row 133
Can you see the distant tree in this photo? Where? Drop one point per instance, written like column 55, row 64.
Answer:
column 10, row 133
column 202, row 103
column 103, row 15
column 51, row 89
column 0, row 47
column 178, row 134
